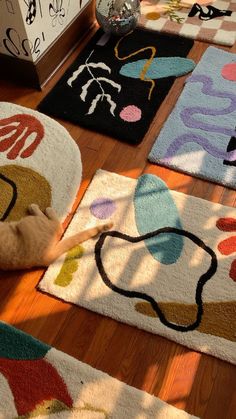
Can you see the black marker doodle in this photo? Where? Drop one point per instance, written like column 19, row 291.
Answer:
column 57, row 12
column 32, row 10
column 231, row 147
column 210, row 14
column 40, row 9
column 17, row 47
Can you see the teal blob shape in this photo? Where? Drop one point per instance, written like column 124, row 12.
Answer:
column 155, row 209
column 15, row 344
column 159, row 68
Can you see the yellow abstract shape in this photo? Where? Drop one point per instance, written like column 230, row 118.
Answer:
column 47, row 407
column 69, row 266
column 20, row 187
column 89, row 408
column 153, row 16
column 146, row 65
column 218, row 319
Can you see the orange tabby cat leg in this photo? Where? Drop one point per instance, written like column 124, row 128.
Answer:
column 51, row 214
column 34, row 209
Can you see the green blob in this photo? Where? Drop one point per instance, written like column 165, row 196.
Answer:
column 160, row 67
column 69, row 266
column 154, row 209
column 15, row 344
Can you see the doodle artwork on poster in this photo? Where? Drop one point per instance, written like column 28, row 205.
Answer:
column 21, row 47
column 57, row 12
column 31, row 11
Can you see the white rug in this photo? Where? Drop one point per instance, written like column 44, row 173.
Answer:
column 39, row 163
column 57, row 386
column 178, row 282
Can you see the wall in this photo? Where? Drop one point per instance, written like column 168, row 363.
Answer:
column 29, row 27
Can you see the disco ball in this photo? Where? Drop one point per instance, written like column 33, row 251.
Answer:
column 117, row 16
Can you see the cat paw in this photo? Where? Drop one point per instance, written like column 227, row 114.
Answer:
column 51, row 214
column 34, row 209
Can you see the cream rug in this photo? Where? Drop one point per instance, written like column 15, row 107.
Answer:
column 168, row 266
column 39, row 163
column 39, row 381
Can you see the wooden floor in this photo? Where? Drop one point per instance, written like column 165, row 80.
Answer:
column 200, row 384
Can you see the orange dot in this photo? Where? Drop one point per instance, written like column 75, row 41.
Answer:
column 153, row 16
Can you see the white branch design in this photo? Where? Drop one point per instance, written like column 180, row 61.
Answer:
column 86, row 86
column 98, row 80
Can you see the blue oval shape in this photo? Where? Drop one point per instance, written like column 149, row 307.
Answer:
column 159, row 68
column 154, row 209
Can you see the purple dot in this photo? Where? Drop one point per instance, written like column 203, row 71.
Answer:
column 102, row 208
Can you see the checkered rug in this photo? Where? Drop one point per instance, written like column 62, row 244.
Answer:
column 205, row 21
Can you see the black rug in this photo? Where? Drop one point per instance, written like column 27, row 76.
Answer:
column 116, row 85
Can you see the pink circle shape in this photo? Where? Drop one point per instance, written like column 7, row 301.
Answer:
column 229, row 71
column 131, row 113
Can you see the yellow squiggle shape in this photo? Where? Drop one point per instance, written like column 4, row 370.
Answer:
column 69, row 266
column 146, row 65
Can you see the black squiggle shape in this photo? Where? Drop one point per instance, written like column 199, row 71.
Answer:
column 9, row 43
column 14, row 196
column 212, row 12
column 136, row 294
column 31, row 12
column 17, row 47
column 231, row 147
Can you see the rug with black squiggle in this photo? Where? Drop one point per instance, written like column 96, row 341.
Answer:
column 116, row 85
column 168, row 265
column 199, row 137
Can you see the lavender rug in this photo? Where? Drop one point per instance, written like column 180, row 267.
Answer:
column 199, row 136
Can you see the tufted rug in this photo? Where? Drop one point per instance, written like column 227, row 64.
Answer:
column 116, row 85
column 210, row 21
column 37, row 380
column 39, row 163
column 199, row 136
column 168, row 266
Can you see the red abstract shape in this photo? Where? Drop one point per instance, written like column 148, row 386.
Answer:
column 228, row 246
column 232, row 272
column 229, row 71
column 32, row 382
column 226, row 224
column 20, row 127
